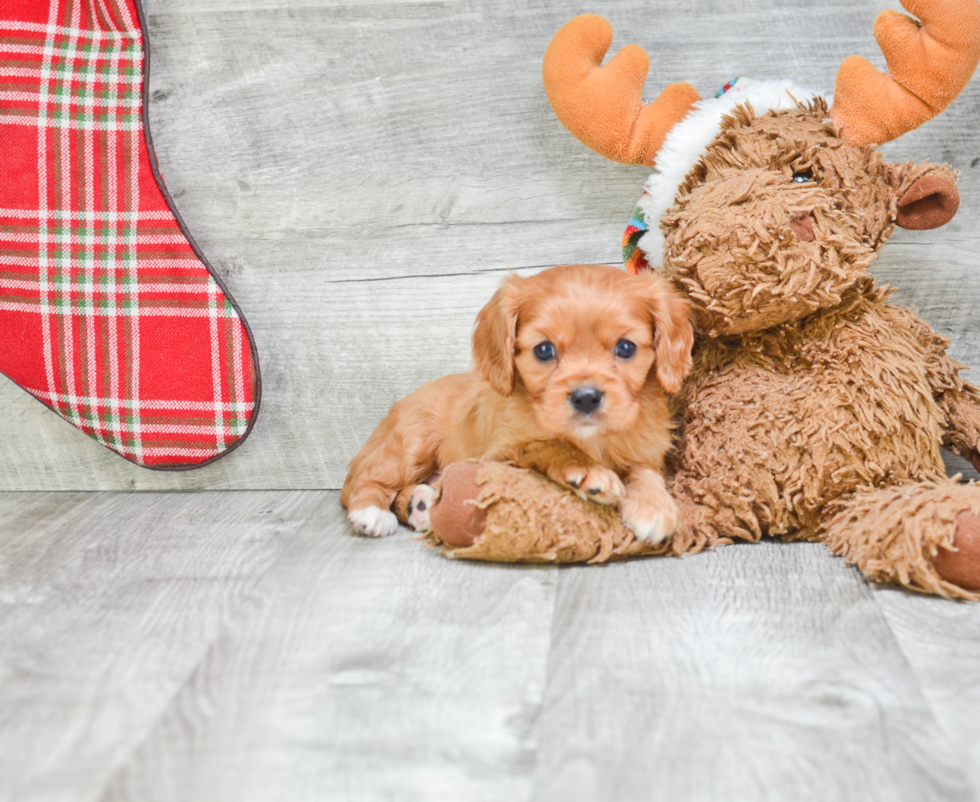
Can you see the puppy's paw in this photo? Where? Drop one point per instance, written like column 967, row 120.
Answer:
column 373, row 522
column 595, row 484
column 650, row 521
column 420, row 507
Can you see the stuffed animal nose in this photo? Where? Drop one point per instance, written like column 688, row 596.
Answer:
column 802, row 225
column 585, row 399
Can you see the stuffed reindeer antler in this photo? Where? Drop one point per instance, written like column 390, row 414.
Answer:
column 603, row 105
column 929, row 64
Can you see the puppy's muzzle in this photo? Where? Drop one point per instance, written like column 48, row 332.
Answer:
column 585, row 399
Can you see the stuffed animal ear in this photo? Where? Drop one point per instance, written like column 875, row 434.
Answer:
column 495, row 335
column 673, row 336
column 931, row 202
column 926, row 195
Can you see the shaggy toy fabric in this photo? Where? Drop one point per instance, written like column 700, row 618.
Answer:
column 815, row 409
column 894, row 534
column 689, row 140
column 528, row 519
column 810, row 392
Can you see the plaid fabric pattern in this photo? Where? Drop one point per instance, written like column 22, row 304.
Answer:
column 107, row 315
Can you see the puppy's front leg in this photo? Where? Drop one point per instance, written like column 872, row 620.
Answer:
column 368, row 500
column 399, row 454
column 567, row 465
column 648, row 509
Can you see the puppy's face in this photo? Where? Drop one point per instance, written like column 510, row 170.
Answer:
column 584, row 341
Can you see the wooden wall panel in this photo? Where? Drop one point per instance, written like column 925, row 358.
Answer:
column 362, row 174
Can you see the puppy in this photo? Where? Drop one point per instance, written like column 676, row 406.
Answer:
column 571, row 369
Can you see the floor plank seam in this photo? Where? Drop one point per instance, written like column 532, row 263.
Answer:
column 232, row 618
column 549, row 673
column 875, row 592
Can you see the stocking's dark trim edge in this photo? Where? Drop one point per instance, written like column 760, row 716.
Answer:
column 155, row 168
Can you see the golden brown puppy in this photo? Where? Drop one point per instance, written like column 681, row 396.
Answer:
column 571, row 369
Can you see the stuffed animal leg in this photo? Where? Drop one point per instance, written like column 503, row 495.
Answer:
column 925, row 536
column 496, row 512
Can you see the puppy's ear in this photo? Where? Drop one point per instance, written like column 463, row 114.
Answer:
column 495, row 334
column 673, row 336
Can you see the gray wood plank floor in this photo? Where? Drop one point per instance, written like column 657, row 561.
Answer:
column 202, row 647
column 363, row 173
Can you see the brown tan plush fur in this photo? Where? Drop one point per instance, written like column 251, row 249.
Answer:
column 815, row 408
column 523, row 517
column 894, row 534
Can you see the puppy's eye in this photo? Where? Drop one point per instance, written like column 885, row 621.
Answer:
column 803, row 176
column 625, row 349
column 544, row 352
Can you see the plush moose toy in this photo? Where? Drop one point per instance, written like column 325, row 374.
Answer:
column 816, row 409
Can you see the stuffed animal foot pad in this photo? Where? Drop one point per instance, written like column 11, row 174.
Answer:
column 496, row 512
column 925, row 536
column 961, row 565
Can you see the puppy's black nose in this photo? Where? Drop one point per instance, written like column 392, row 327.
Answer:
column 585, row 399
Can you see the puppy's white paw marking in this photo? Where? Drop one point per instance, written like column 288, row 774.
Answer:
column 595, row 484
column 373, row 522
column 420, row 508
column 653, row 523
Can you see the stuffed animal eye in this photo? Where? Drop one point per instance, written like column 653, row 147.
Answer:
column 544, row 352
column 802, row 177
column 625, row 349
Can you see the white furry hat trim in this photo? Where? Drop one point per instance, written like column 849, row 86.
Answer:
column 688, row 141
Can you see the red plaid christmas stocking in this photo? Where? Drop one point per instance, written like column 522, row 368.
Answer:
column 109, row 314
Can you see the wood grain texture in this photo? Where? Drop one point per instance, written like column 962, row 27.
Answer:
column 756, row 672
column 244, row 646
column 363, row 173
column 107, row 603
column 942, row 645
column 366, row 670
